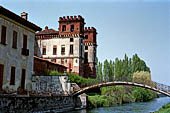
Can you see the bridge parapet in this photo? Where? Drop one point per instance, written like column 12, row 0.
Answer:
column 165, row 89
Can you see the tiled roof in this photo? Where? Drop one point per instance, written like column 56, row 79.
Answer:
column 18, row 19
column 47, row 31
column 45, row 60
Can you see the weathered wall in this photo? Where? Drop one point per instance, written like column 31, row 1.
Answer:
column 52, row 84
column 13, row 57
column 90, row 67
column 32, row 104
column 74, row 61
column 91, row 43
column 81, row 101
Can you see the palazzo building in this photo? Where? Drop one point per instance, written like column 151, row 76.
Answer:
column 73, row 46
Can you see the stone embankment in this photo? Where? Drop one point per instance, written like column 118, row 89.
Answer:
column 24, row 104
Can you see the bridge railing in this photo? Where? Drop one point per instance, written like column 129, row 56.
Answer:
column 144, row 82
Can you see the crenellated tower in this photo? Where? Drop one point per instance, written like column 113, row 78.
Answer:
column 90, row 52
column 71, row 25
column 72, row 46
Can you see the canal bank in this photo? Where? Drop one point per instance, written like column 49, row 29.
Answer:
column 136, row 107
column 25, row 104
column 41, row 103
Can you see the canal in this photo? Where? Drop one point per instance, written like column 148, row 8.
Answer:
column 136, row 107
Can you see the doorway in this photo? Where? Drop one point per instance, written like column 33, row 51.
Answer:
column 23, row 78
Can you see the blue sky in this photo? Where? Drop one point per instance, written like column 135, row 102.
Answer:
column 123, row 26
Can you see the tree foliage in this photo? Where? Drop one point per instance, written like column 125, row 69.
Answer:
column 143, row 77
column 120, row 69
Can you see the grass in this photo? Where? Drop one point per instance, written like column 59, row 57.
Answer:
column 164, row 109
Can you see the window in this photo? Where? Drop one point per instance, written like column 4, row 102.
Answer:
column 71, row 40
column 14, row 43
column 94, row 38
column 72, row 28
column 64, row 28
column 44, row 50
column 81, row 50
column 25, row 51
column 63, row 50
column 54, row 50
column 25, row 42
column 3, row 35
column 81, row 28
column 12, row 80
column 86, row 57
column 71, row 49
column 86, row 36
column 86, row 47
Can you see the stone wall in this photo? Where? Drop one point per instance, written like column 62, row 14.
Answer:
column 9, row 104
column 52, row 84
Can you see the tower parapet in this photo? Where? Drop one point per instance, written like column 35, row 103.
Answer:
column 89, row 29
column 90, row 35
column 71, row 25
column 70, row 18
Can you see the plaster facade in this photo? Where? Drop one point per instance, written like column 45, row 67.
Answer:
column 20, row 58
column 73, row 61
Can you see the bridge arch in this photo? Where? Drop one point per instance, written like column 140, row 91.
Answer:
column 83, row 90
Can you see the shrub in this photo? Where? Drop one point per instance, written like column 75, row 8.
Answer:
column 142, row 94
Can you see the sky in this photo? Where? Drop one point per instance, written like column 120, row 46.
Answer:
column 123, row 26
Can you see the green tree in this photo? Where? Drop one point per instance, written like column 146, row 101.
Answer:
column 138, row 64
column 130, row 73
column 125, row 68
column 106, row 70
column 100, row 72
column 143, row 77
column 117, row 69
column 97, row 69
column 111, row 70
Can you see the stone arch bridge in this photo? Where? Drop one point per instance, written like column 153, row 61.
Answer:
column 160, row 88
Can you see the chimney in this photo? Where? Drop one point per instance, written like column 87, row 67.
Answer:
column 46, row 27
column 24, row 15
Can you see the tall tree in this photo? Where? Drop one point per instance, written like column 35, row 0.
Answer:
column 111, row 70
column 121, row 69
column 106, row 70
column 125, row 67
column 117, row 68
column 100, row 74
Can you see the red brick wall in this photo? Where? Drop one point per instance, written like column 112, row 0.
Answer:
column 89, row 70
column 78, row 23
column 91, row 32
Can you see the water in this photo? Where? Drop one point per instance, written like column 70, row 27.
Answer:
column 136, row 107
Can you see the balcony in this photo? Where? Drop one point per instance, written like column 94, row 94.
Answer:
column 25, row 52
